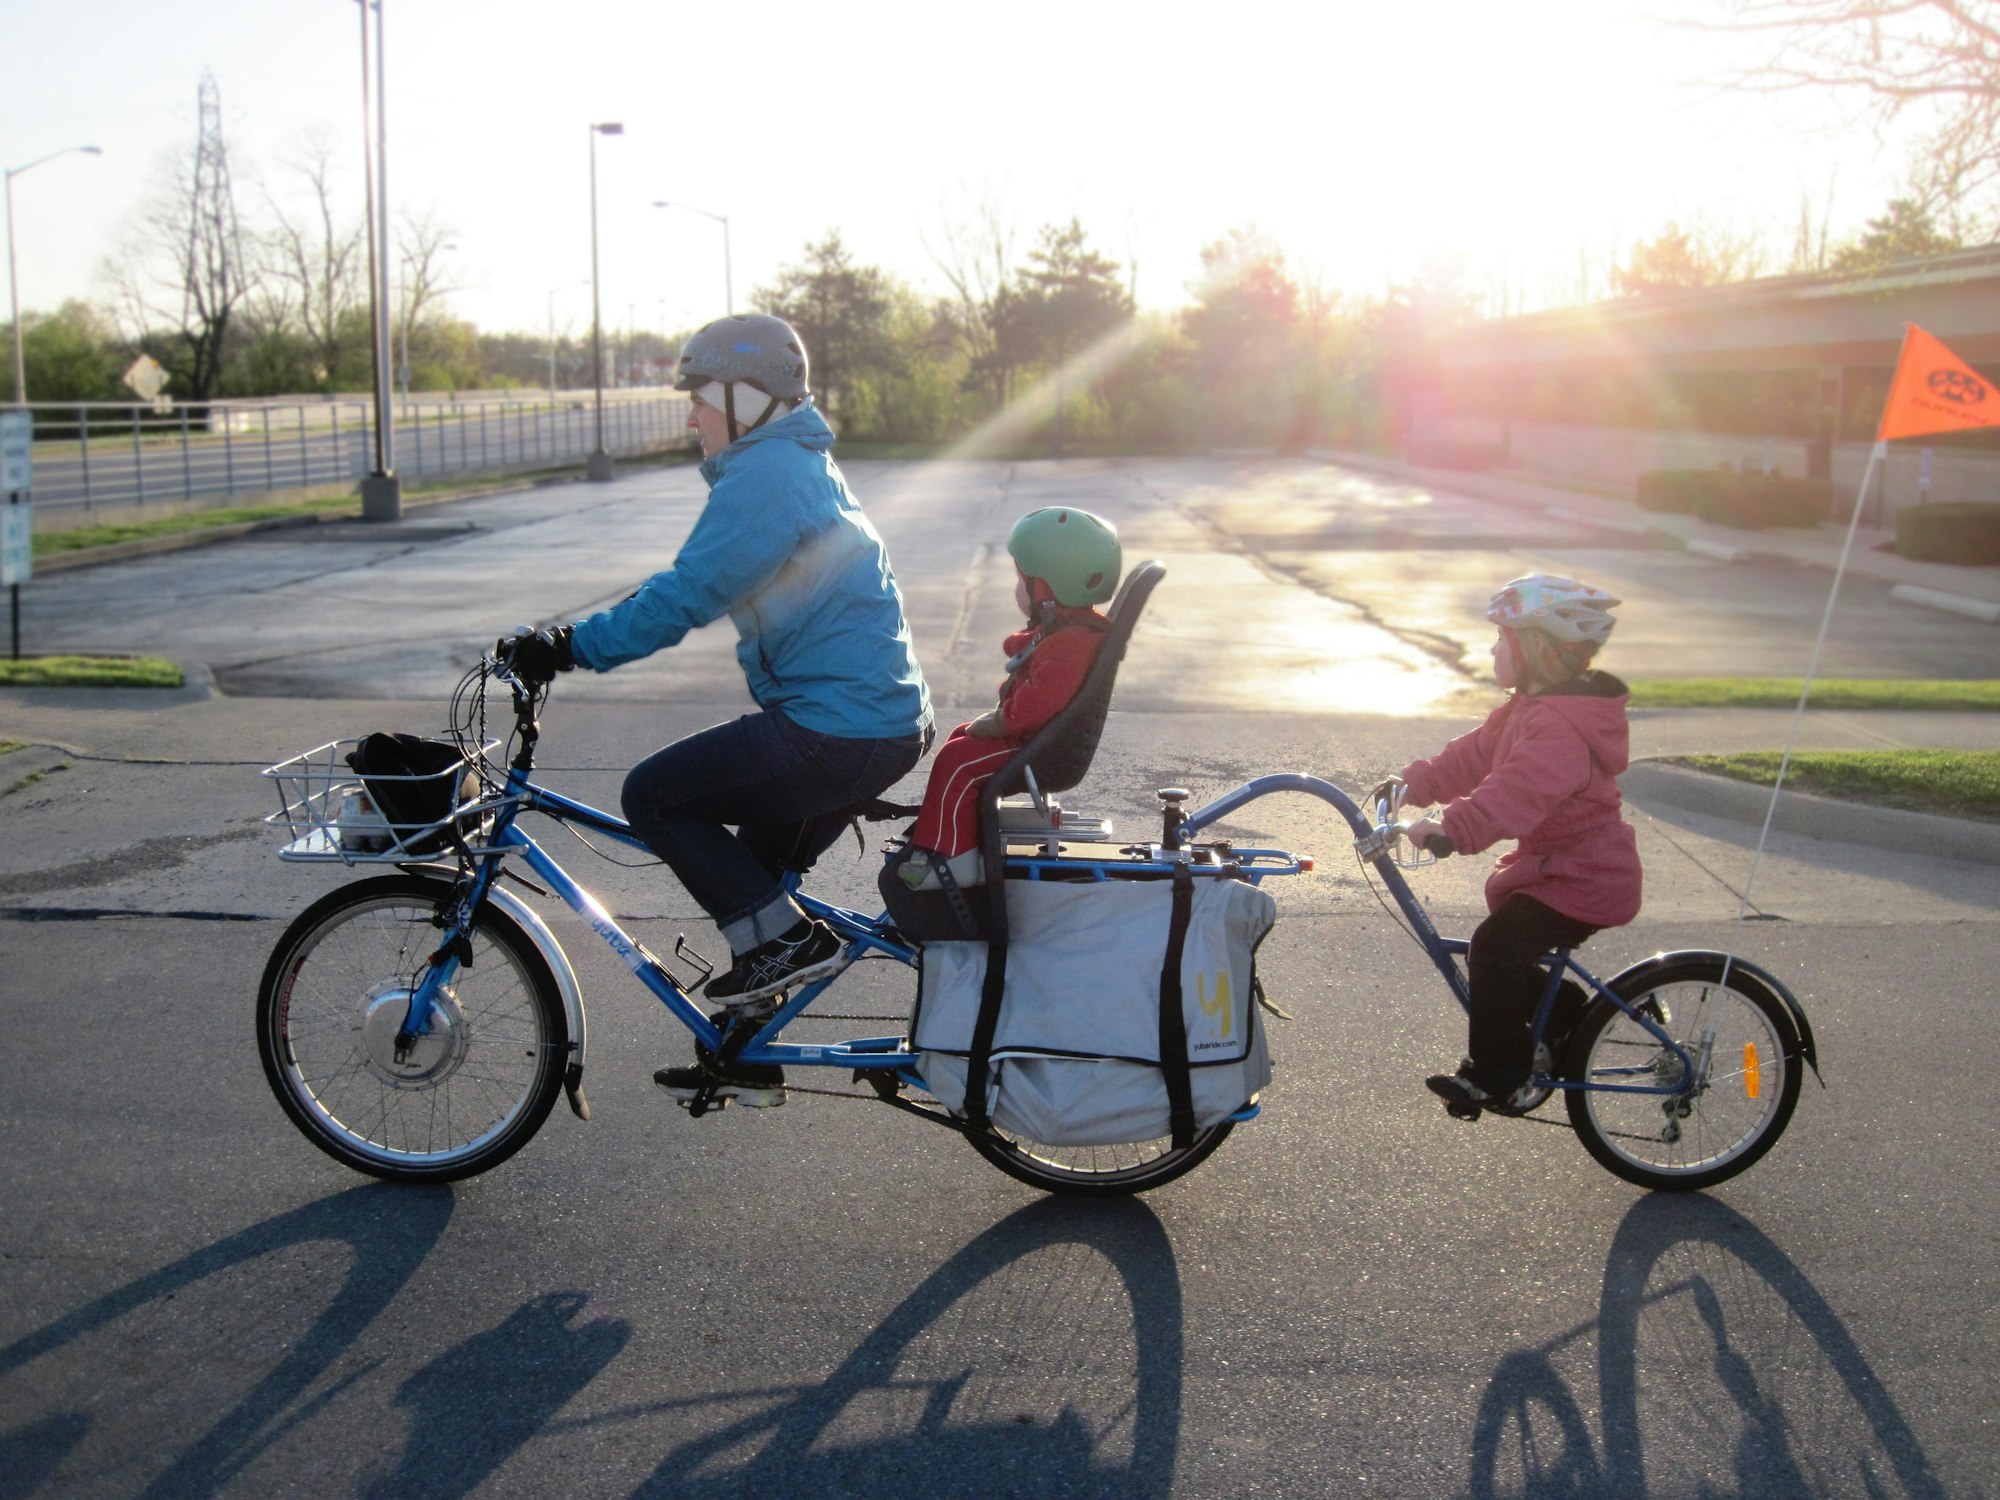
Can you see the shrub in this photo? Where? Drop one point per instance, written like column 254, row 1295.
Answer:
column 1759, row 500
column 1673, row 489
column 1730, row 499
column 1450, row 455
column 1963, row 532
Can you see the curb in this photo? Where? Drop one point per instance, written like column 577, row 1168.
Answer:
column 1472, row 483
column 86, row 557
column 1953, row 604
column 1649, row 784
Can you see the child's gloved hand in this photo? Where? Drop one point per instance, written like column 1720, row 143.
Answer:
column 987, row 726
column 1428, row 833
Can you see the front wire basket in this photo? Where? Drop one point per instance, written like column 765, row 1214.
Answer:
column 331, row 816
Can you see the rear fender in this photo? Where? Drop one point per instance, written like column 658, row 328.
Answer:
column 1752, row 976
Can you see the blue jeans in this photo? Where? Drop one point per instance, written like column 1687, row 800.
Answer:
column 780, row 786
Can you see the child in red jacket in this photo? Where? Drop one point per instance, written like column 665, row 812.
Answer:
column 1542, row 769
column 1065, row 561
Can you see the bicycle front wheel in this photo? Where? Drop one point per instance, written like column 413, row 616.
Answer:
column 1747, row 1069
column 1097, row 1171
column 468, row 1093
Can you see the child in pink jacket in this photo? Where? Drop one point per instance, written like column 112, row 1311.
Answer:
column 1543, row 770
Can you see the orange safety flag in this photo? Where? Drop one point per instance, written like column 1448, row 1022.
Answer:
column 1935, row 391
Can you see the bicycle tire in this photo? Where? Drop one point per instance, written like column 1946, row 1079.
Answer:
column 1097, row 1171
column 1681, row 1143
column 334, row 993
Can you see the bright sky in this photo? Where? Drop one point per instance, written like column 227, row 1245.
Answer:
column 1368, row 140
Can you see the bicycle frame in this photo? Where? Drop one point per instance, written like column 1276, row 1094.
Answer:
column 506, row 839
column 865, row 934
column 1445, row 952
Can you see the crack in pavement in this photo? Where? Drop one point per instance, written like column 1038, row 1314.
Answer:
column 115, row 913
column 151, row 857
column 1441, row 648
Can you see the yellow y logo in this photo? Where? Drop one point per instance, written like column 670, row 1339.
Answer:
column 1220, row 1005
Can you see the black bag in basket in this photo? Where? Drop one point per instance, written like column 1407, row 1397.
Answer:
column 409, row 779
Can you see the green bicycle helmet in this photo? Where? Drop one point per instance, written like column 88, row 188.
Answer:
column 1075, row 553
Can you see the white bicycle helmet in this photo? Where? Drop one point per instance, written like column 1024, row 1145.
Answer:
column 1559, row 607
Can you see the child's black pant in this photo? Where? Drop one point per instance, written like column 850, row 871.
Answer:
column 1506, row 988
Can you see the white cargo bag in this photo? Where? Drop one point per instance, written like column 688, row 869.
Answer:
column 1076, row 1052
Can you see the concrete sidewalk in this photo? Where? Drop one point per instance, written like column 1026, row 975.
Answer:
column 1971, row 592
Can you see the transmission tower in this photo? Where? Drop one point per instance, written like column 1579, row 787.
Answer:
column 214, row 264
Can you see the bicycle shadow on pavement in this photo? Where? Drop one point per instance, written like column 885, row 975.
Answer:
column 473, row 1406
column 1042, row 1359
column 97, row 1366
column 1719, row 1367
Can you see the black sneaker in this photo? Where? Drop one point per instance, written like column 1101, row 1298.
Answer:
column 811, row 950
column 755, row 1085
column 1463, row 1099
column 1466, row 1100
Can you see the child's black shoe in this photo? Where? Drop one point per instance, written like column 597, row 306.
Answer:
column 1463, row 1099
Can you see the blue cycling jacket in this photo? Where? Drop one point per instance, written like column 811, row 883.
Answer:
column 784, row 551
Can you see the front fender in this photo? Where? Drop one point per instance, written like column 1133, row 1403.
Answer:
column 1755, row 976
column 530, row 922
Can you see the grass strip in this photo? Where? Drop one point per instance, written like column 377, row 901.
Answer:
column 8, row 747
column 1978, row 696
column 1953, row 783
column 79, row 538
column 90, row 671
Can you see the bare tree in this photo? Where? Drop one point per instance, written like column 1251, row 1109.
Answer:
column 1812, row 235
column 422, row 243
column 1938, row 60
column 975, row 255
column 314, row 262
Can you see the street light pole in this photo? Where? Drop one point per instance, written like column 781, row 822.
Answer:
column 382, row 489
column 13, row 285
column 728, row 269
column 600, row 461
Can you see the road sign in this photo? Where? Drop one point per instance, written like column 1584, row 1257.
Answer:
column 17, row 452
column 146, row 377
column 17, row 557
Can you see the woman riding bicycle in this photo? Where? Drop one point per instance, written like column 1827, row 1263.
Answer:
column 843, row 713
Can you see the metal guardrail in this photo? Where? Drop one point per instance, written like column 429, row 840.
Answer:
column 92, row 456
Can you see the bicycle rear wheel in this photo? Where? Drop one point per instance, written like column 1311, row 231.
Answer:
column 1747, row 1061
column 467, row 1095
column 1097, row 1171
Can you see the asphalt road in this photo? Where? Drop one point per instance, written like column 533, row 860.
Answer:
column 1355, row 1296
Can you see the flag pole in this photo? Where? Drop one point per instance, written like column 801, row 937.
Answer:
column 1875, row 456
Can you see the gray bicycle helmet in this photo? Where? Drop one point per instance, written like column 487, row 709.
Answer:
column 754, row 348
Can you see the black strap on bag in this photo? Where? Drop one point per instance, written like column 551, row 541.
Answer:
column 1173, row 1019
column 978, row 1062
